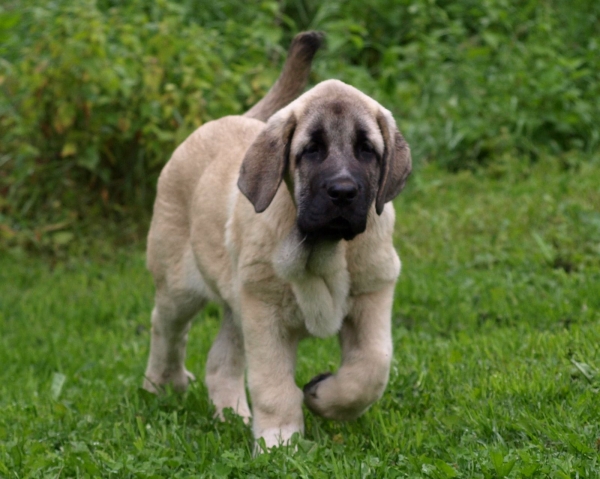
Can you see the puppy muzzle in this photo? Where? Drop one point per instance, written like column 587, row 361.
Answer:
column 334, row 223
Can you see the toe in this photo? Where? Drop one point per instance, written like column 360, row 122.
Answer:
column 310, row 388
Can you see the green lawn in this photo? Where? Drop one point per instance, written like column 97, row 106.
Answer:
column 497, row 352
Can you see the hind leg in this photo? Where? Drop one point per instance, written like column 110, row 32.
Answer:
column 179, row 296
column 167, row 350
column 225, row 369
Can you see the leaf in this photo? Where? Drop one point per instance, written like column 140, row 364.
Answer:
column 445, row 469
column 58, row 381
column 62, row 238
column 507, row 467
column 497, row 458
column 579, row 446
column 69, row 149
column 584, row 369
column 89, row 159
column 64, row 118
column 545, row 248
column 501, row 466
column 222, row 470
column 141, row 428
column 529, row 469
column 60, row 409
column 124, row 124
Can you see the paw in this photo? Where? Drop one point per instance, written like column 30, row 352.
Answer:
column 187, row 379
column 274, row 437
column 310, row 388
column 227, row 393
column 311, row 393
column 326, row 397
column 238, row 407
column 180, row 380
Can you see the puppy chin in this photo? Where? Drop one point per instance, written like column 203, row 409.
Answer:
column 336, row 229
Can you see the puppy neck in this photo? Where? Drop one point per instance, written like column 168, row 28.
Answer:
column 291, row 256
column 319, row 277
column 296, row 256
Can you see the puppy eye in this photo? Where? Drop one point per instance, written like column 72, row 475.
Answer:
column 311, row 148
column 366, row 151
column 366, row 147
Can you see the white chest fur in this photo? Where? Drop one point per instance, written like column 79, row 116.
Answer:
column 318, row 275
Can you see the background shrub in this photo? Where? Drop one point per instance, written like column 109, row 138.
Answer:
column 471, row 80
column 96, row 99
column 95, row 95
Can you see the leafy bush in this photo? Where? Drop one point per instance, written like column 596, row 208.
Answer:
column 94, row 96
column 472, row 80
column 96, row 100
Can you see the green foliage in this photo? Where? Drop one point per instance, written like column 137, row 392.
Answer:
column 96, row 100
column 95, row 95
column 496, row 367
column 471, row 81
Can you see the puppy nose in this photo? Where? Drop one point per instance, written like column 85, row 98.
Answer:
column 342, row 192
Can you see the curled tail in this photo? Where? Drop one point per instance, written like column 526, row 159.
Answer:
column 293, row 78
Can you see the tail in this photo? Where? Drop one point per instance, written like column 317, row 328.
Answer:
column 293, row 78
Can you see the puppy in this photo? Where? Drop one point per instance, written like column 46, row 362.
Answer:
column 287, row 224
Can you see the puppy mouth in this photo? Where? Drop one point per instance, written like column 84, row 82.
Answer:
column 339, row 225
column 334, row 230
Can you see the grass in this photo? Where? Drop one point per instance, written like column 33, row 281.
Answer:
column 495, row 374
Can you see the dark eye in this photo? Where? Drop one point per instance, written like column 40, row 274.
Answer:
column 312, row 148
column 314, row 151
column 366, row 147
column 366, row 150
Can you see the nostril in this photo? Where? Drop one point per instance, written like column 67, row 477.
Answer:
column 342, row 192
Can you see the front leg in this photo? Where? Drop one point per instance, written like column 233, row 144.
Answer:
column 225, row 369
column 366, row 344
column 271, row 361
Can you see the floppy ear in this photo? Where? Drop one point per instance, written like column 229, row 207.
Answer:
column 396, row 162
column 265, row 162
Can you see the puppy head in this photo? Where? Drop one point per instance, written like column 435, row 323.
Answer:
column 338, row 150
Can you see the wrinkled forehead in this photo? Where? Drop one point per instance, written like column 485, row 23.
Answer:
column 337, row 121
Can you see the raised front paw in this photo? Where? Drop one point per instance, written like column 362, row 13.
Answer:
column 328, row 396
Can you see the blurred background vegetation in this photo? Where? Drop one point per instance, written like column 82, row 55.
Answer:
column 95, row 95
